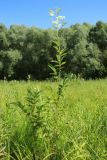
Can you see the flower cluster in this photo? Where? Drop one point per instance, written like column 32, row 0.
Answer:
column 58, row 21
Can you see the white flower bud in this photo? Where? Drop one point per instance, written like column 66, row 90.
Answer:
column 51, row 13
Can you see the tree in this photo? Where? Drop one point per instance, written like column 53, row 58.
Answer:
column 98, row 34
column 17, row 37
column 94, row 68
column 8, row 61
column 3, row 37
column 36, row 54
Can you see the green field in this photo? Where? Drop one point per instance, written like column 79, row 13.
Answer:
column 34, row 125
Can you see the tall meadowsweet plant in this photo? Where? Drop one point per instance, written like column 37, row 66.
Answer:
column 58, row 22
column 56, row 66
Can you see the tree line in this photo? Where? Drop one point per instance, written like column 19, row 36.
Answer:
column 28, row 51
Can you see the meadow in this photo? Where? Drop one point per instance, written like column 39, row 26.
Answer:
column 35, row 125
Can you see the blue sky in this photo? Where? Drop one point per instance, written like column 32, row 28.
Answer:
column 35, row 12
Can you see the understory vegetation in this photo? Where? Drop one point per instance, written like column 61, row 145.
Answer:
column 35, row 125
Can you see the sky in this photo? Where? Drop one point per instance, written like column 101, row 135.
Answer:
column 35, row 12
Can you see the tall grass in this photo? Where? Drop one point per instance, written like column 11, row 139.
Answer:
column 31, row 129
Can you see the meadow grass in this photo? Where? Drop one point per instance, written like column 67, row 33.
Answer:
column 72, row 128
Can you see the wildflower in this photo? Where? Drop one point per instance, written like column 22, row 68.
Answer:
column 51, row 13
column 58, row 21
column 60, row 18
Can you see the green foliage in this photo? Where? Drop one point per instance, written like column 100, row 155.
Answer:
column 3, row 37
column 8, row 62
column 79, row 131
column 61, row 52
column 59, row 61
column 98, row 34
column 33, row 113
column 37, row 49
